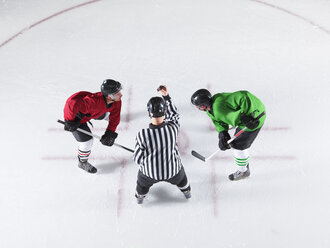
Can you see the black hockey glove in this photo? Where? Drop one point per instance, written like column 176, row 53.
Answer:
column 108, row 138
column 223, row 138
column 71, row 126
column 249, row 121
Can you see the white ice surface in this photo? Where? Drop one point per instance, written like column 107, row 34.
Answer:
column 280, row 52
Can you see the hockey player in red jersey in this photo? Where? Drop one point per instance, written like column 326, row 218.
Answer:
column 83, row 106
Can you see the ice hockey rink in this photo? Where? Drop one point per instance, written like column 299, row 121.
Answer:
column 278, row 50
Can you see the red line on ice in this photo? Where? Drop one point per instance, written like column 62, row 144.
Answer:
column 214, row 190
column 46, row 19
column 293, row 14
column 123, row 164
column 73, row 157
column 183, row 142
column 128, row 120
column 260, row 157
column 128, row 111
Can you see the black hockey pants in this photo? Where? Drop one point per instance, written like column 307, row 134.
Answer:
column 144, row 183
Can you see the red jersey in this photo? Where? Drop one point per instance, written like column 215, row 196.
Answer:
column 92, row 106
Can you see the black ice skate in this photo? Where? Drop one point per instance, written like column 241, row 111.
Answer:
column 139, row 198
column 187, row 194
column 87, row 167
column 239, row 175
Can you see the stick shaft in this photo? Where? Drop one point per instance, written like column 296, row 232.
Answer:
column 197, row 155
column 236, row 135
column 96, row 136
column 212, row 155
column 229, row 141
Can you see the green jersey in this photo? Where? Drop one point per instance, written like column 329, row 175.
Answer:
column 228, row 107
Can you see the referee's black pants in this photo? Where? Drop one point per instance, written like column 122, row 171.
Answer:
column 144, row 182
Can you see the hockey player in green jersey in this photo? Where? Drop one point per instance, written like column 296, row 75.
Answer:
column 239, row 109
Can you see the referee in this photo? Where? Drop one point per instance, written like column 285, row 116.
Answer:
column 156, row 149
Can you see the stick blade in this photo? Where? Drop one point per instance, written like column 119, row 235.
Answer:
column 197, row 155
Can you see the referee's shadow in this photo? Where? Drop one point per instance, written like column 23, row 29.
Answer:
column 160, row 196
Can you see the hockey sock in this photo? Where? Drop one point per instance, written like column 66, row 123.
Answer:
column 84, row 150
column 241, row 159
column 83, row 155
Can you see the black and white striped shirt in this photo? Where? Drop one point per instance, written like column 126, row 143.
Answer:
column 156, row 149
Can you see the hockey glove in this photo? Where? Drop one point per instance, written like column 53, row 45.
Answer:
column 108, row 138
column 71, row 126
column 223, row 138
column 249, row 121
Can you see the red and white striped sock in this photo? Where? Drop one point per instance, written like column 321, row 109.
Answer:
column 84, row 150
column 83, row 155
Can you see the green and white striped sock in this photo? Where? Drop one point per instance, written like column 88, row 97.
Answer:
column 242, row 163
column 241, row 159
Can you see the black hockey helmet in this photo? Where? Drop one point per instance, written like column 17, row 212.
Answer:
column 201, row 97
column 110, row 87
column 156, row 106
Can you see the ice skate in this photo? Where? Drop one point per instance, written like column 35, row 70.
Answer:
column 239, row 175
column 139, row 198
column 87, row 167
column 187, row 194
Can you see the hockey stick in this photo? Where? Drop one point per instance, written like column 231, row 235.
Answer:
column 96, row 136
column 201, row 157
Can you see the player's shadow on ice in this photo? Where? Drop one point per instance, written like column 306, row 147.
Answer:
column 108, row 168
column 162, row 196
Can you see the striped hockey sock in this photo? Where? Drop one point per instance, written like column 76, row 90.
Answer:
column 241, row 159
column 83, row 155
column 84, row 150
column 242, row 163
